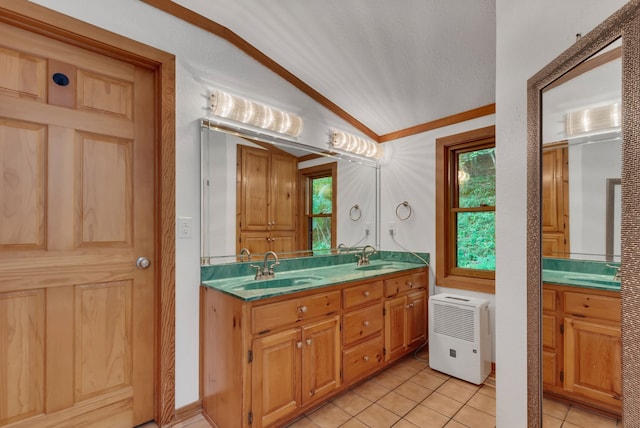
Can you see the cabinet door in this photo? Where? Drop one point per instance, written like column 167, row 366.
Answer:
column 320, row 359
column 592, row 360
column 284, row 175
column 254, row 189
column 282, row 242
column 255, row 242
column 275, row 376
column 395, row 327
column 416, row 318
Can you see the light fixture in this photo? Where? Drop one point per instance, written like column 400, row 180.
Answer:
column 594, row 119
column 351, row 143
column 252, row 113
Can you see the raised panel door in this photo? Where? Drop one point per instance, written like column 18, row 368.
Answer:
column 74, row 159
column 416, row 318
column 284, row 176
column 395, row 327
column 275, row 376
column 320, row 359
column 592, row 360
column 254, row 189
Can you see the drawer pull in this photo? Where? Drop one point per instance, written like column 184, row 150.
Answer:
column 366, row 293
column 365, row 323
column 410, row 284
column 308, row 342
column 299, row 345
column 366, row 358
column 302, row 309
column 409, row 306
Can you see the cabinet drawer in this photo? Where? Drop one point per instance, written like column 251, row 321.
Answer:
column 408, row 282
column 274, row 315
column 590, row 305
column 361, row 323
column 363, row 359
column 549, row 300
column 361, row 294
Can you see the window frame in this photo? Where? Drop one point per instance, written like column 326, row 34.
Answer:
column 447, row 272
column 306, row 176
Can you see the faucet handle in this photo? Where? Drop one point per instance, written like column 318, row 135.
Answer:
column 258, row 271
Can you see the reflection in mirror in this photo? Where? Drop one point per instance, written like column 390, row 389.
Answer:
column 581, row 169
column 229, row 156
column 581, row 152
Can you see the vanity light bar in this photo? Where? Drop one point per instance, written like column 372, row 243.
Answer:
column 354, row 144
column 239, row 109
column 593, row 119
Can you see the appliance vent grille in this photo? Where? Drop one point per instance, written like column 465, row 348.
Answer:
column 454, row 321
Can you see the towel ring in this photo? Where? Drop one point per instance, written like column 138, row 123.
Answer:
column 355, row 213
column 407, row 206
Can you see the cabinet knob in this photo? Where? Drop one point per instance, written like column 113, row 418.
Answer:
column 302, row 309
column 366, row 323
column 299, row 345
column 410, row 284
column 308, row 342
column 409, row 306
column 366, row 293
column 366, row 358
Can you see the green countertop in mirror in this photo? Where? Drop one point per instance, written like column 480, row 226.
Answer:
column 580, row 273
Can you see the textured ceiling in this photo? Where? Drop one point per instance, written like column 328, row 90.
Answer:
column 391, row 64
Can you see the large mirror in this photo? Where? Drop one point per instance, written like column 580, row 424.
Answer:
column 577, row 172
column 582, row 160
column 355, row 197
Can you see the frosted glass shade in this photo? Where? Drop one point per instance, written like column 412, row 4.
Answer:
column 354, row 144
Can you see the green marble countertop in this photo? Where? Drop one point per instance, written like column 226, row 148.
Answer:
column 290, row 281
column 581, row 279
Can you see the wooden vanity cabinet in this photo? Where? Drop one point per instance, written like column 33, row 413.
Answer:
column 405, row 314
column 582, row 347
column 265, row 362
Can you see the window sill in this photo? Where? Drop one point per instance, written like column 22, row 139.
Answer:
column 480, row 285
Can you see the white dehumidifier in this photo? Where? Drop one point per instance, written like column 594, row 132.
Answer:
column 459, row 337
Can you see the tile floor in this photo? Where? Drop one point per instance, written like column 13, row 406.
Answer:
column 410, row 394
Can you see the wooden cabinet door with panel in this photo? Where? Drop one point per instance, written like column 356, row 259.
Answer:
column 592, row 366
column 276, row 376
column 320, row 359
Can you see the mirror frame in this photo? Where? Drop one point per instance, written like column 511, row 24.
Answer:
column 625, row 24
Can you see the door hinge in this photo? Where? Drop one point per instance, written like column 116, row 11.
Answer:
column 384, row 351
column 250, row 417
column 384, row 311
column 250, row 356
column 561, row 328
column 561, row 376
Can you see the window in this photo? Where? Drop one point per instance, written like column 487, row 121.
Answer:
column 465, row 210
column 318, row 228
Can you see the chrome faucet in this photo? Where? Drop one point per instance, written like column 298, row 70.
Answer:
column 266, row 271
column 243, row 252
column 616, row 276
column 363, row 259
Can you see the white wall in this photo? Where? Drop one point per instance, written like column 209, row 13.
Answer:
column 530, row 33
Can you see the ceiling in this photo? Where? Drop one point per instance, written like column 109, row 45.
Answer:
column 390, row 64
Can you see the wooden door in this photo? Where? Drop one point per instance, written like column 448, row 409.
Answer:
column 555, row 202
column 76, row 211
column 284, row 176
column 592, row 360
column 275, row 376
column 416, row 318
column 395, row 327
column 320, row 359
column 254, row 189
column 256, row 242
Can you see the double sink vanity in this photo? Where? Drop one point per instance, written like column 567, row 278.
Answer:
column 274, row 348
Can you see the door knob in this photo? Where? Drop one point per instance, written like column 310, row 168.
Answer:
column 143, row 263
